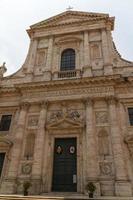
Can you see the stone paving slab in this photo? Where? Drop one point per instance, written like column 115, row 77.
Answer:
column 59, row 197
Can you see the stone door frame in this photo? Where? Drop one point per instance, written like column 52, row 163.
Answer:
column 50, row 157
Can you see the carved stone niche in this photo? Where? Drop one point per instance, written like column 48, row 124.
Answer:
column 129, row 141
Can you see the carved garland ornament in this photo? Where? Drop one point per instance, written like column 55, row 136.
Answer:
column 101, row 117
column 106, row 168
column 26, row 168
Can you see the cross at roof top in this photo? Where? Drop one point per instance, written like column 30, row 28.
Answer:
column 69, row 8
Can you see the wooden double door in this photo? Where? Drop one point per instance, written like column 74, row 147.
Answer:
column 65, row 165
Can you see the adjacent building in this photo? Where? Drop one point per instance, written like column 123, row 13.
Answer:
column 66, row 117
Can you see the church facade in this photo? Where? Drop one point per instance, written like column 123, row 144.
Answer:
column 66, row 117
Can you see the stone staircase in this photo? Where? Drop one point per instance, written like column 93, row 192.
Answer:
column 59, row 197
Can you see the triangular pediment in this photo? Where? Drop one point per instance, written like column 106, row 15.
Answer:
column 64, row 124
column 70, row 17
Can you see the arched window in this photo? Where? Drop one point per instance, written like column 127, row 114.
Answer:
column 67, row 60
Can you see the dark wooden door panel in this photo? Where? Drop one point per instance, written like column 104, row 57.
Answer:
column 2, row 157
column 65, row 165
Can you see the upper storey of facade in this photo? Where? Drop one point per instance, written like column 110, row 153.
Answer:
column 71, row 45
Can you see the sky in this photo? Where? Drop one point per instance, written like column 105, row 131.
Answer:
column 17, row 15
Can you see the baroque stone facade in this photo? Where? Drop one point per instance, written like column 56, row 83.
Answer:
column 41, row 103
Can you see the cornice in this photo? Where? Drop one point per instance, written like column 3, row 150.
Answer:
column 54, row 19
column 70, row 82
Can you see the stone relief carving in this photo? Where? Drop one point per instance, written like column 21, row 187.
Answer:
column 33, row 120
column 105, row 168
column 101, row 117
column 26, row 168
column 69, row 114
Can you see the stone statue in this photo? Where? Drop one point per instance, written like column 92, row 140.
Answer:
column 3, row 69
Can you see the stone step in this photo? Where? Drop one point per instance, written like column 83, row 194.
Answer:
column 59, row 197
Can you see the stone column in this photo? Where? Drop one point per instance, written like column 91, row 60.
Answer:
column 17, row 147
column 32, row 55
column 39, row 149
column 87, row 67
column 106, row 54
column 122, row 185
column 91, row 158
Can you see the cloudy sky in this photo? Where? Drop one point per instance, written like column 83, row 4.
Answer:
column 17, row 15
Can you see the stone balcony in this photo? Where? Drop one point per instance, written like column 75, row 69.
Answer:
column 67, row 74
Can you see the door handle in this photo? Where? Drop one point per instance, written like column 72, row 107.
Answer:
column 74, row 178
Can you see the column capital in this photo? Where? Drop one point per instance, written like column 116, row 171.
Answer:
column 89, row 101
column 24, row 105
column 112, row 100
column 43, row 104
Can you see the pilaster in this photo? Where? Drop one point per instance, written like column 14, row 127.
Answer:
column 17, row 148
column 87, row 65
column 39, row 145
column 32, row 55
column 122, row 180
column 92, row 162
column 106, row 54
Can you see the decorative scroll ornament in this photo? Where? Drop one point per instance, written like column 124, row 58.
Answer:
column 26, row 169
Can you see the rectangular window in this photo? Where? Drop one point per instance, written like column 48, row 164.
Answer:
column 5, row 122
column 2, row 157
column 130, row 113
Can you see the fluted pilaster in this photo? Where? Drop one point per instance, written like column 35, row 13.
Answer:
column 86, row 49
column 92, row 163
column 17, row 148
column 39, row 143
column 119, row 161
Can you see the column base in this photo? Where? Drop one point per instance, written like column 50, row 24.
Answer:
column 87, row 71
column 123, row 189
column 47, row 76
column 8, row 187
column 108, row 70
